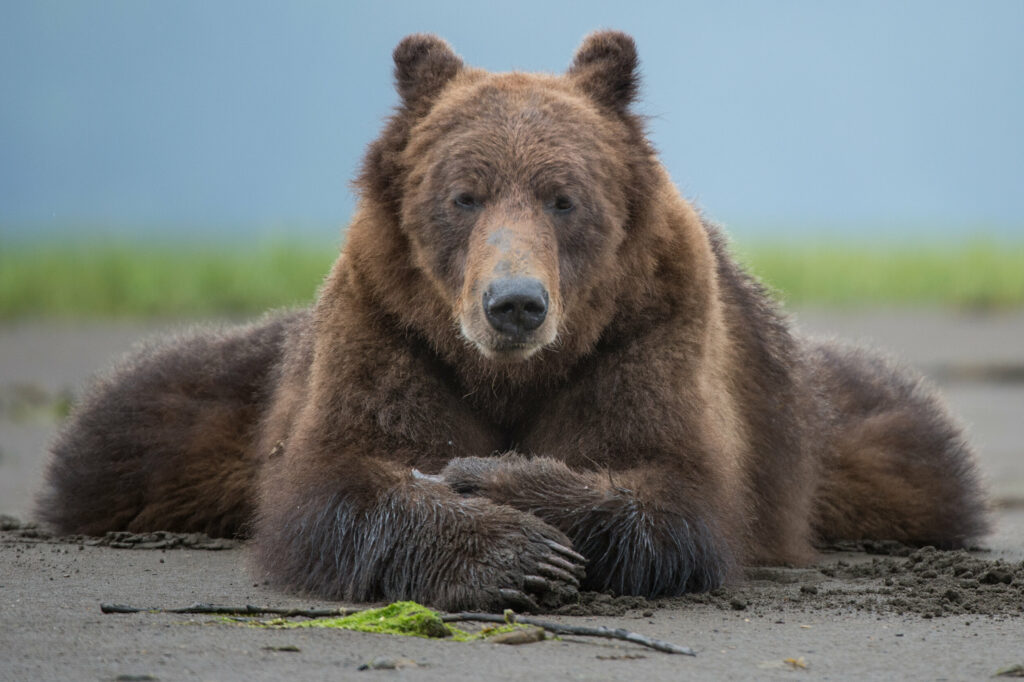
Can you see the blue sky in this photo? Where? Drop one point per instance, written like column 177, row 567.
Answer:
column 866, row 120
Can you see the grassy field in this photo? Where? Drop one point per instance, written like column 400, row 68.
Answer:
column 81, row 280
column 978, row 274
column 138, row 280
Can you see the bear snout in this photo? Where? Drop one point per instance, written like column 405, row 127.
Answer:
column 515, row 306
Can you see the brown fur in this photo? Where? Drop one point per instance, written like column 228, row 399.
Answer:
column 661, row 419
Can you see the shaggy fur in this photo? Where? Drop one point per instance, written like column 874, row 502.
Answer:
column 533, row 368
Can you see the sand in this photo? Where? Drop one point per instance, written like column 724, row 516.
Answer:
column 867, row 611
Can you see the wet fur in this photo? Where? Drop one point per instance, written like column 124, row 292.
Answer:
column 676, row 429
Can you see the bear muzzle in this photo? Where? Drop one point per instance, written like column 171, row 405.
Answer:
column 510, row 308
column 512, row 319
column 515, row 306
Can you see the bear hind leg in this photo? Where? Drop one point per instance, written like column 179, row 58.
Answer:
column 900, row 468
column 165, row 442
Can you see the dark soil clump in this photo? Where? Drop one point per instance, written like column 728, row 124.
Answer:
column 601, row 604
column 13, row 529
column 884, row 578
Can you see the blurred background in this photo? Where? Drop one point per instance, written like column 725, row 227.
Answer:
column 858, row 130
column 192, row 159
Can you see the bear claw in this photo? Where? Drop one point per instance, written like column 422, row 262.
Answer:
column 570, row 567
column 562, row 549
column 558, row 574
column 536, row 583
column 518, row 600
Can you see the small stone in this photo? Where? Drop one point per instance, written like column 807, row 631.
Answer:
column 1011, row 671
column 385, row 663
column 995, row 576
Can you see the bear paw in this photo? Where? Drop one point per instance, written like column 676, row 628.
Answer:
column 527, row 566
column 470, row 475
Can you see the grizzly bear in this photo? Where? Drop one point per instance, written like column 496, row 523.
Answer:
column 533, row 369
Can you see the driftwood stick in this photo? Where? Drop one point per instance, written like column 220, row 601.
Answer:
column 508, row 617
column 247, row 610
column 584, row 630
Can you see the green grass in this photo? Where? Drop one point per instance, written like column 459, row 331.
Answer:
column 110, row 280
column 141, row 280
column 978, row 274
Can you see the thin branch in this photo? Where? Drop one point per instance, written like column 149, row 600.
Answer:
column 509, row 618
column 247, row 610
column 584, row 630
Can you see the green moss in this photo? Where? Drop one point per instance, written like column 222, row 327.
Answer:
column 405, row 618
column 399, row 618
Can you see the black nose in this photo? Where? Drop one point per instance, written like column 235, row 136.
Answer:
column 516, row 305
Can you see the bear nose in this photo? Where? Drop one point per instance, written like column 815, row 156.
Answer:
column 516, row 305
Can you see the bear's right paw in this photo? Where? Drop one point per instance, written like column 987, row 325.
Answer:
column 529, row 567
column 555, row 580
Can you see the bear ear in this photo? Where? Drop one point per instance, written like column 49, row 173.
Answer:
column 605, row 67
column 423, row 66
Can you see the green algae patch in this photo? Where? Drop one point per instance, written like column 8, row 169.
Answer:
column 400, row 618
column 406, row 618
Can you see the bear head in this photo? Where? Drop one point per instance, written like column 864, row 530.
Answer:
column 513, row 193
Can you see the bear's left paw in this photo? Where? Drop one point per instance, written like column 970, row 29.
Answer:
column 470, row 475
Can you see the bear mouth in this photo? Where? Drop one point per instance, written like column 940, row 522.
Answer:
column 508, row 350
column 515, row 347
column 503, row 349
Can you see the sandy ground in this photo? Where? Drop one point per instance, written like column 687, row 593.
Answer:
column 887, row 612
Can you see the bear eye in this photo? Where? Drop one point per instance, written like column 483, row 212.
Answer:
column 467, row 201
column 562, row 204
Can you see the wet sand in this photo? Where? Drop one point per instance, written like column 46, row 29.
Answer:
column 875, row 612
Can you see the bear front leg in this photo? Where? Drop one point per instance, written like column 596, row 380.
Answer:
column 643, row 532
column 377, row 533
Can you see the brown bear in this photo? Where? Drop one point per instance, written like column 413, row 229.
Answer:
column 534, row 368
